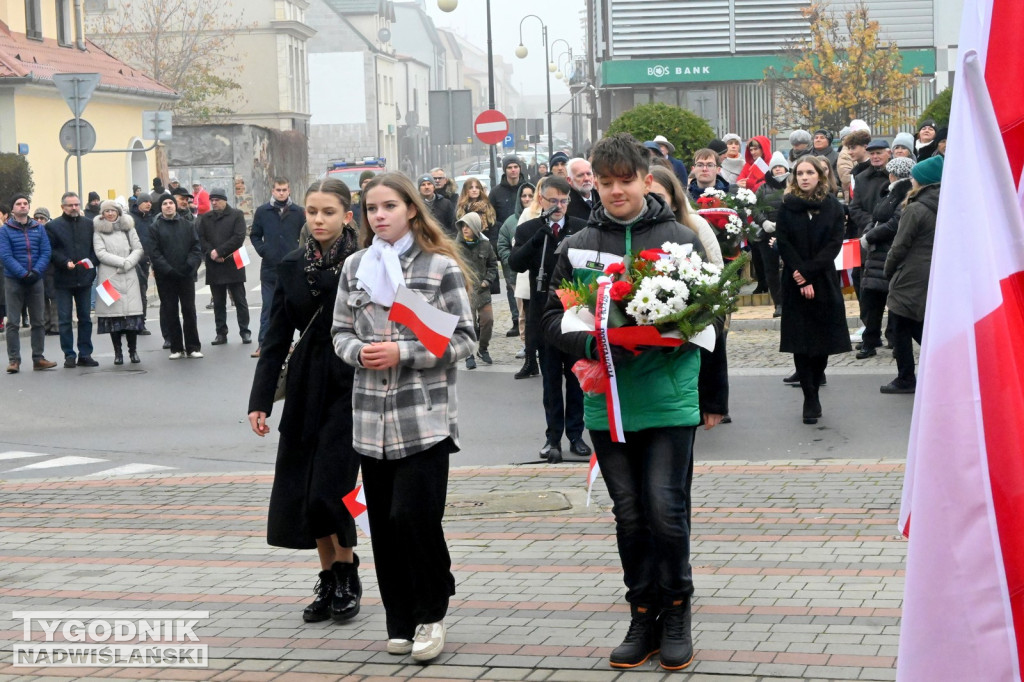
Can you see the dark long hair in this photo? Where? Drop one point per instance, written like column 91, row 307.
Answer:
column 825, row 185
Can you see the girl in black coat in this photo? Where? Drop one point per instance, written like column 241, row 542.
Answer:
column 810, row 235
column 316, row 464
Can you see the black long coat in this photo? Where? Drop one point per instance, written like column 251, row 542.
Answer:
column 316, row 464
column 223, row 231
column 809, row 239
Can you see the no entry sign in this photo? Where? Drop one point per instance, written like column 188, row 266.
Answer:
column 491, row 127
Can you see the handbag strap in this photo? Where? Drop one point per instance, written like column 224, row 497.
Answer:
column 310, row 324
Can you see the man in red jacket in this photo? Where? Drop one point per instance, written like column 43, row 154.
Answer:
column 202, row 198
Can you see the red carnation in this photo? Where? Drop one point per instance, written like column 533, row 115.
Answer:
column 620, row 290
column 615, row 269
column 709, row 202
column 653, row 255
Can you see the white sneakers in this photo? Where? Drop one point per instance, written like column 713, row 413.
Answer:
column 195, row 355
column 175, row 356
column 399, row 647
column 428, row 642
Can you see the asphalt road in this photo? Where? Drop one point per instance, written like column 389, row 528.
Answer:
column 190, row 415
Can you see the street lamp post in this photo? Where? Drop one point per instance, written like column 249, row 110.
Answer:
column 521, row 52
column 449, row 6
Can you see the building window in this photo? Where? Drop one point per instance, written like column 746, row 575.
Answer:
column 33, row 20
column 64, row 22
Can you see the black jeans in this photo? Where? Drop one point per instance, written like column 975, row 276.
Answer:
column 220, row 306
column 180, row 292
column 561, row 415
column 648, row 478
column 872, row 308
column 904, row 331
column 142, row 270
column 769, row 260
column 405, row 505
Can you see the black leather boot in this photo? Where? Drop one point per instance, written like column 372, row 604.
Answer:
column 320, row 609
column 642, row 639
column 812, row 406
column 347, row 590
column 530, row 368
column 676, row 642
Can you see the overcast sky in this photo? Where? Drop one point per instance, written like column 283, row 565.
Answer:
column 561, row 16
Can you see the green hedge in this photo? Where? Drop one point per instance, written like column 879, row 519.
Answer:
column 683, row 128
column 15, row 177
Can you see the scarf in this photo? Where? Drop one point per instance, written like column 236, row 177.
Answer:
column 380, row 272
column 319, row 263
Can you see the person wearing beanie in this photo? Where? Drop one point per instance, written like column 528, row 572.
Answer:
column 442, row 209
column 42, row 216
column 118, row 251
column 858, row 124
column 800, row 143
column 908, row 266
column 176, row 257
column 903, row 146
column 92, row 206
column 478, row 253
column 769, row 199
column 718, row 146
column 926, row 143
column 843, row 132
column 221, row 233
column 503, row 197
column 940, row 141
column 275, row 233
column 731, row 165
column 821, row 145
column 142, row 213
column 560, row 159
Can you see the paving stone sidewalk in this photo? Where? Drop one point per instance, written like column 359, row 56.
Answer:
column 798, row 570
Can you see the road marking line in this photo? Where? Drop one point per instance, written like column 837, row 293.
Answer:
column 133, row 468
column 21, row 455
column 59, row 462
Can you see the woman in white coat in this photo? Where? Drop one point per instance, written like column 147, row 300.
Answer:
column 118, row 250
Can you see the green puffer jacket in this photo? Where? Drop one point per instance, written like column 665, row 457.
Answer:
column 657, row 389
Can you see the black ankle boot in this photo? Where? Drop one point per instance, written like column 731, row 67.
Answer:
column 530, row 368
column 118, row 357
column 676, row 643
column 134, row 357
column 642, row 639
column 347, row 590
column 812, row 408
column 320, row 609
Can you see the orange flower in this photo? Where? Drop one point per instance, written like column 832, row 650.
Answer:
column 569, row 298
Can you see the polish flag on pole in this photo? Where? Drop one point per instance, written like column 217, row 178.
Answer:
column 847, row 260
column 592, row 474
column 107, row 292
column 963, row 494
column 433, row 327
column 241, row 258
column 355, row 502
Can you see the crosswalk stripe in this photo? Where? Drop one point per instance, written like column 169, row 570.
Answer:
column 59, row 462
column 134, row 468
column 14, row 454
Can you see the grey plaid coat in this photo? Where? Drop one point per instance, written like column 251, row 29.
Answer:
column 405, row 409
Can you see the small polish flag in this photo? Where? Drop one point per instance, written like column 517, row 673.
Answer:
column 761, row 165
column 241, row 258
column 592, row 474
column 107, row 292
column 355, row 502
column 86, row 263
column 847, row 260
column 433, row 327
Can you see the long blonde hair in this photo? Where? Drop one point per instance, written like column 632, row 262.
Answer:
column 426, row 231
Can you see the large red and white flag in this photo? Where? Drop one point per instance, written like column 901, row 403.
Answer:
column 963, row 495
column 355, row 502
column 433, row 327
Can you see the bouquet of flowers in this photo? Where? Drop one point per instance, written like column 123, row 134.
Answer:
column 732, row 216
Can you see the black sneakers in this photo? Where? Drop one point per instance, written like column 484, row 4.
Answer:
column 642, row 639
column 676, row 642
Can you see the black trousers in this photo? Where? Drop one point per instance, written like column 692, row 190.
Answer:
column 219, row 293
column 768, row 259
column 904, row 331
column 405, row 505
column 142, row 270
column 175, row 293
column 561, row 414
column 872, row 308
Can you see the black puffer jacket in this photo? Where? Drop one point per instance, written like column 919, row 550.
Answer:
column 867, row 193
column 880, row 235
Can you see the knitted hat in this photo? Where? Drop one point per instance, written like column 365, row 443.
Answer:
column 929, row 171
column 900, row 167
column 144, row 198
column 219, row 193
column 905, row 140
column 877, row 143
column 562, row 157
column 859, row 124
column 512, row 158
column 827, row 133
column 718, row 146
column 94, row 196
column 660, row 139
column 41, row 212
column 111, row 205
column 844, row 131
column 732, row 136
column 425, row 178
column 929, row 122
column 366, row 175
column 799, row 137
column 778, row 159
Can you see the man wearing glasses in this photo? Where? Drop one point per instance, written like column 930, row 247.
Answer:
column 71, row 245
column 534, row 251
column 443, row 187
column 706, row 173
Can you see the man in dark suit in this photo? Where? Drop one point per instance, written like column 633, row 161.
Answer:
column 582, row 196
column 534, row 251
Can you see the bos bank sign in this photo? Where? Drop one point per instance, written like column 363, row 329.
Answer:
column 714, row 69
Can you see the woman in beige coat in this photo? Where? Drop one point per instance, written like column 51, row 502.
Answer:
column 118, row 251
